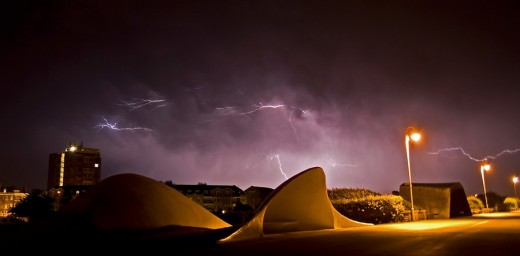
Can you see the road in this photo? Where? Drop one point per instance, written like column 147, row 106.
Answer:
column 483, row 234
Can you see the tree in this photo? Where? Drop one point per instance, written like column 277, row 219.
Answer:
column 496, row 201
column 169, row 183
column 35, row 207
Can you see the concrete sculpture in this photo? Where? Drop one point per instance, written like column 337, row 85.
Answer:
column 299, row 204
column 136, row 203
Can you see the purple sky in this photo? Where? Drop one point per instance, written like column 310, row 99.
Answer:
column 241, row 88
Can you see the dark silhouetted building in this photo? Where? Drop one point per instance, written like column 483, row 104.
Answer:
column 254, row 196
column 76, row 166
column 215, row 198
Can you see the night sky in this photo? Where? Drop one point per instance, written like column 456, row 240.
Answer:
column 248, row 92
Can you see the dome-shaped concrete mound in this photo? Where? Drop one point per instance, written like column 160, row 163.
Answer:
column 131, row 202
column 127, row 211
column 301, row 203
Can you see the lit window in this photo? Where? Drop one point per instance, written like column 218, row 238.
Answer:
column 96, row 165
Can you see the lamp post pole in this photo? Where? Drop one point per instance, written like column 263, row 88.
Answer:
column 409, row 170
column 484, row 167
column 412, row 134
column 515, row 180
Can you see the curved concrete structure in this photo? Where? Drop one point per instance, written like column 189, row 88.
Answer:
column 138, row 203
column 299, row 204
column 440, row 200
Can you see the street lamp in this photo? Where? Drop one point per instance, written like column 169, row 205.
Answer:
column 410, row 134
column 515, row 180
column 484, row 167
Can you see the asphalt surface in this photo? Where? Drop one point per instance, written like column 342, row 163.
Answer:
column 485, row 234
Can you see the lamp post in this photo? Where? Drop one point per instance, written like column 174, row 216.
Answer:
column 410, row 134
column 515, row 180
column 485, row 167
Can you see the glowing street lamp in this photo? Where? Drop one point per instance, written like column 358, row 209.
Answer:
column 515, row 180
column 484, row 167
column 410, row 134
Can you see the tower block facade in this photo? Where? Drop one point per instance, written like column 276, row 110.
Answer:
column 75, row 166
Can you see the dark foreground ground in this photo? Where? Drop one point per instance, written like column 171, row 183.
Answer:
column 483, row 234
column 29, row 237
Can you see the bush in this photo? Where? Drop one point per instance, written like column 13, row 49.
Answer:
column 475, row 204
column 366, row 206
column 350, row 193
column 511, row 203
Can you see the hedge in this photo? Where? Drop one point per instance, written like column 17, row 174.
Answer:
column 366, row 206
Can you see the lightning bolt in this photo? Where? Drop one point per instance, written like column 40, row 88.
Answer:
column 261, row 106
column 333, row 163
column 229, row 111
column 113, row 126
column 226, row 111
column 277, row 156
column 136, row 103
column 141, row 103
column 292, row 126
column 506, row 151
column 257, row 106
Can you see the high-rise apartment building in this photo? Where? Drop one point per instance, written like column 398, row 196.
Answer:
column 76, row 166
